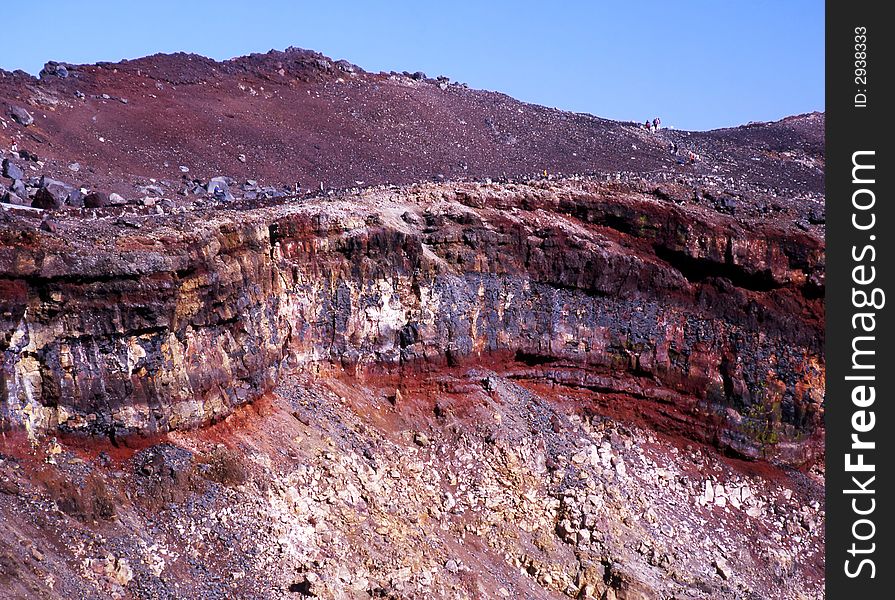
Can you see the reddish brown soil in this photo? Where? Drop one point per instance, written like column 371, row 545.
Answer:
column 298, row 118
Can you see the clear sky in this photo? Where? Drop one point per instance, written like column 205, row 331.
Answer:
column 698, row 64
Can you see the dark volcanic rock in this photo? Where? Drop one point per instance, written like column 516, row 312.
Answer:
column 817, row 216
column 75, row 198
column 55, row 69
column 52, row 194
column 96, row 200
column 50, row 198
column 49, row 224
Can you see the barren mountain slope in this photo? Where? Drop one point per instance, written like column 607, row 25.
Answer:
column 297, row 116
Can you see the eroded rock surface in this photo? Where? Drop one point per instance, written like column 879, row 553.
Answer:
column 609, row 287
column 323, row 489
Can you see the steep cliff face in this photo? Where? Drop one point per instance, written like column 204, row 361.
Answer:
column 129, row 337
column 708, row 324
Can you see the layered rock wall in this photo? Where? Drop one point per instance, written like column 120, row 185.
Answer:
column 615, row 289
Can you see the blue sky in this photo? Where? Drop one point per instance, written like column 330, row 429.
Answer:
column 697, row 64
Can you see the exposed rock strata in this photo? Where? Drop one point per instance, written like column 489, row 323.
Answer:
column 616, row 288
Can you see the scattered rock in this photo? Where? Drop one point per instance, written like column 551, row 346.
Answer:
column 116, row 199
column 129, row 221
column 118, row 570
column 75, row 198
column 395, row 398
column 151, row 190
column 347, row 67
column 10, row 488
column 26, row 155
column 727, row 204
column 306, row 586
column 722, row 568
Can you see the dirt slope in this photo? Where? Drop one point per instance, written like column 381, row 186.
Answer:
column 297, row 116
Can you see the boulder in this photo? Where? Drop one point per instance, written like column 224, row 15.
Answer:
column 49, row 198
column 817, row 216
column 75, row 198
column 727, row 204
column 151, row 190
column 52, row 194
column 129, row 221
column 45, row 181
column 219, row 188
column 96, row 200
column 54, row 68
column 18, row 188
column 12, row 198
column 117, row 199
column 722, row 568
column 21, row 116
column 12, row 170
column 347, row 67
